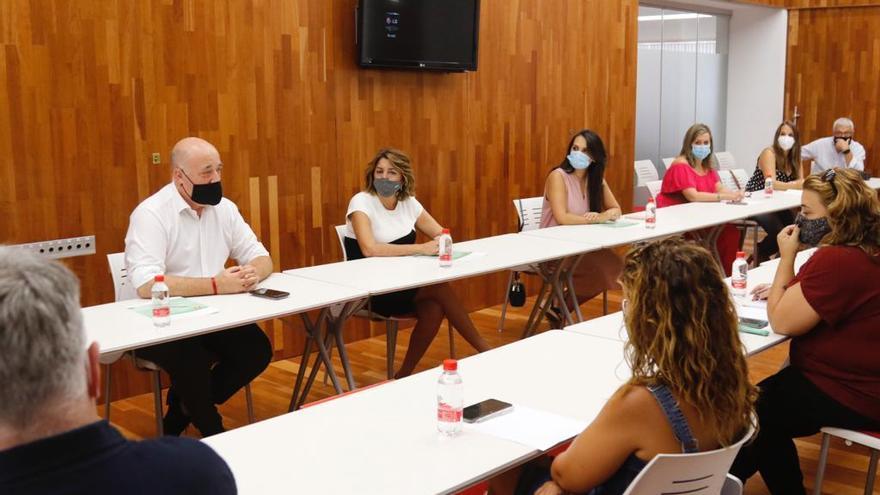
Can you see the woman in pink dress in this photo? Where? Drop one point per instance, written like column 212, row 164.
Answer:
column 692, row 178
column 576, row 193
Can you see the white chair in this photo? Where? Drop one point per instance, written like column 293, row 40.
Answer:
column 742, row 177
column 701, row 473
column 667, row 162
column 728, row 180
column 528, row 213
column 868, row 439
column 645, row 172
column 392, row 323
column 738, row 179
column 654, row 188
column 125, row 291
column 725, row 160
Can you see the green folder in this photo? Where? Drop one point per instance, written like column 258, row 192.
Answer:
column 455, row 254
column 618, row 224
column 753, row 331
column 178, row 305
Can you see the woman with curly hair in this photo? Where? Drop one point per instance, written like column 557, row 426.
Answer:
column 831, row 309
column 689, row 390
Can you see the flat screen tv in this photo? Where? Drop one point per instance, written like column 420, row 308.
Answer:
column 418, row 34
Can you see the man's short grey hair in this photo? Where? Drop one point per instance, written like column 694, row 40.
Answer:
column 843, row 123
column 42, row 341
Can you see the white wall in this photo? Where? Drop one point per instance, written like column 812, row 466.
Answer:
column 755, row 81
column 755, row 73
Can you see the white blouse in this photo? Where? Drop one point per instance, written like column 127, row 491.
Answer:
column 388, row 225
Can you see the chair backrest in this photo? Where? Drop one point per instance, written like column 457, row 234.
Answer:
column 728, row 181
column 732, row 486
column 741, row 176
column 654, row 187
column 121, row 285
column 702, row 473
column 645, row 172
column 340, row 233
column 528, row 210
column 667, row 162
column 725, row 160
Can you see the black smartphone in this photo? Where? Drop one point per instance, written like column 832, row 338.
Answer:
column 270, row 293
column 751, row 322
column 489, row 408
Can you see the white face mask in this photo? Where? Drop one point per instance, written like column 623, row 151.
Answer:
column 785, row 142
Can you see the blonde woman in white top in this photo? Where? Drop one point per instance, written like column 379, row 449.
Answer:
column 382, row 220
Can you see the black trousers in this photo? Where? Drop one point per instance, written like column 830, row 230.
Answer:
column 208, row 369
column 772, row 223
column 790, row 406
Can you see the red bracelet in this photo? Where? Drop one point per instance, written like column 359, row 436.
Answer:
column 214, row 285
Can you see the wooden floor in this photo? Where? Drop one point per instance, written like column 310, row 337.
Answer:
column 845, row 473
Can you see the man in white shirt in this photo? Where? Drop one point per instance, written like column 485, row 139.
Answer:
column 187, row 231
column 836, row 151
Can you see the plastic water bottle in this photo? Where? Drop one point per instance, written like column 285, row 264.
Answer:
column 450, row 399
column 650, row 214
column 445, row 242
column 161, row 305
column 739, row 275
column 768, row 186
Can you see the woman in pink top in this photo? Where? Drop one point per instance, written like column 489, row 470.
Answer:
column 692, row 178
column 576, row 194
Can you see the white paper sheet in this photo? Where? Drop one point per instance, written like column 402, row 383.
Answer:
column 753, row 312
column 531, row 427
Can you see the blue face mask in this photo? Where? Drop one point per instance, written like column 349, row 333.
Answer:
column 701, row 151
column 579, row 160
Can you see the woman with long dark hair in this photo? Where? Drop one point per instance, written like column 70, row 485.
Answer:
column 576, row 193
column 780, row 162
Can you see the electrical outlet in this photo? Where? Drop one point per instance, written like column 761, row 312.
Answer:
column 157, row 158
column 62, row 248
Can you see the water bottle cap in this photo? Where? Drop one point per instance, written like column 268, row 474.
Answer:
column 159, row 278
column 650, row 200
column 740, row 254
column 450, row 365
column 445, row 231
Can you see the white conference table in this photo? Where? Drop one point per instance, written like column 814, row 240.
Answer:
column 117, row 328
column 612, row 327
column 384, row 440
column 381, row 275
column 671, row 220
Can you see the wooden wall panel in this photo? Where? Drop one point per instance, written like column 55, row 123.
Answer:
column 90, row 89
column 833, row 56
column 814, row 4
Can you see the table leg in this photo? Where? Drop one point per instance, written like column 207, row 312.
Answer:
column 315, row 334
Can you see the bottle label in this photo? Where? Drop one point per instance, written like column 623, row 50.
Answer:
column 161, row 312
column 739, row 276
column 445, row 249
column 447, row 413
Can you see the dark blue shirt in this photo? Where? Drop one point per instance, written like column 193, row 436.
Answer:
column 96, row 459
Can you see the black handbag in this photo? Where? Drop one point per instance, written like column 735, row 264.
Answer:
column 517, row 292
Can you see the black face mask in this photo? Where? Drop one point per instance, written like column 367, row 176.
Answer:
column 205, row 194
column 812, row 231
column 848, row 139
